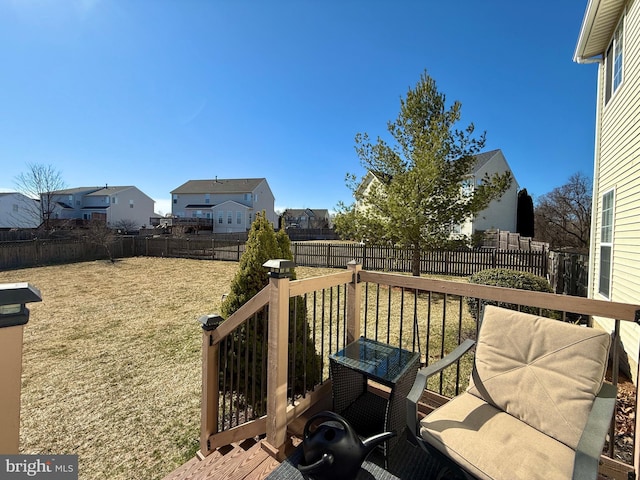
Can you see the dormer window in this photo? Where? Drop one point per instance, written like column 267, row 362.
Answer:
column 613, row 63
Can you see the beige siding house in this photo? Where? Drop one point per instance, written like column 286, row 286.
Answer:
column 230, row 204
column 500, row 214
column 610, row 37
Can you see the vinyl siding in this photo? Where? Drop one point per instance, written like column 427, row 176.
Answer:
column 618, row 168
column 501, row 213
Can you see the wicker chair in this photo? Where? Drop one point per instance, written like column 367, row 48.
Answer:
column 537, row 406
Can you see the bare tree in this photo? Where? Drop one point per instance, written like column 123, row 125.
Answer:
column 563, row 216
column 98, row 233
column 126, row 225
column 40, row 182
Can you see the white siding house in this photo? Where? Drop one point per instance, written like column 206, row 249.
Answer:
column 500, row 214
column 18, row 211
column 610, row 38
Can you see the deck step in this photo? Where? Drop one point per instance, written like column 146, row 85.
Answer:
column 243, row 461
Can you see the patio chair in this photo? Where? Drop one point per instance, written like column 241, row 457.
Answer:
column 536, row 407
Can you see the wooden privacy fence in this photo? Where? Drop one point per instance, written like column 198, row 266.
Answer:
column 32, row 253
column 568, row 273
column 329, row 255
column 505, row 240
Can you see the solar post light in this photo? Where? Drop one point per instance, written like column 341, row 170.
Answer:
column 279, row 268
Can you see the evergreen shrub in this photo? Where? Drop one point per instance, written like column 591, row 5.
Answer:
column 245, row 348
column 504, row 277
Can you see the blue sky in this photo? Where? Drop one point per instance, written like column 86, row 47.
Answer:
column 153, row 93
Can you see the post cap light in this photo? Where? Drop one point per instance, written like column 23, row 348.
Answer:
column 210, row 322
column 279, row 268
column 10, row 309
column 13, row 298
column 18, row 293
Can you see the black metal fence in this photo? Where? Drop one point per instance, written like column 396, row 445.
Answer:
column 438, row 262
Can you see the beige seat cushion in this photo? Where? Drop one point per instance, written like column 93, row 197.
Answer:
column 541, row 371
column 491, row 444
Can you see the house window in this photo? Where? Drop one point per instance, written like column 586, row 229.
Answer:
column 175, row 199
column 613, row 63
column 207, row 198
column 606, row 245
column 15, row 207
column 239, row 218
column 130, row 203
column 247, row 197
column 229, row 218
column 468, row 185
column 114, row 200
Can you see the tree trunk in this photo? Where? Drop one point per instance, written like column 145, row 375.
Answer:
column 415, row 261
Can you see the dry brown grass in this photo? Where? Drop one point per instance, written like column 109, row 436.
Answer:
column 111, row 365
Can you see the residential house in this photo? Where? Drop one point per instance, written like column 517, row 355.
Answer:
column 125, row 205
column 609, row 37
column 305, row 218
column 229, row 204
column 501, row 213
column 18, row 211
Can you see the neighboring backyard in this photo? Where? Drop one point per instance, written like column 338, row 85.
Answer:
column 111, row 364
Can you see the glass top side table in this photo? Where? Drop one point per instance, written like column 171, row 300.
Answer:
column 367, row 412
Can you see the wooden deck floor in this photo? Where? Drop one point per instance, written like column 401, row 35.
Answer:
column 247, row 461
column 235, row 462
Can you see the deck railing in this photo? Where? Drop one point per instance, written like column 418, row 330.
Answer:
column 424, row 315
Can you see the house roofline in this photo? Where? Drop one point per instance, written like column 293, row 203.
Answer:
column 598, row 24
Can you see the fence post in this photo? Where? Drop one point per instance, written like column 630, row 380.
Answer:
column 328, row 255
column 210, row 381
column 354, row 300
column 278, row 356
column 447, row 262
column 13, row 317
column 364, row 256
column 238, row 250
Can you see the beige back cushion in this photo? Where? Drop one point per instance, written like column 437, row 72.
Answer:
column 541, row 371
